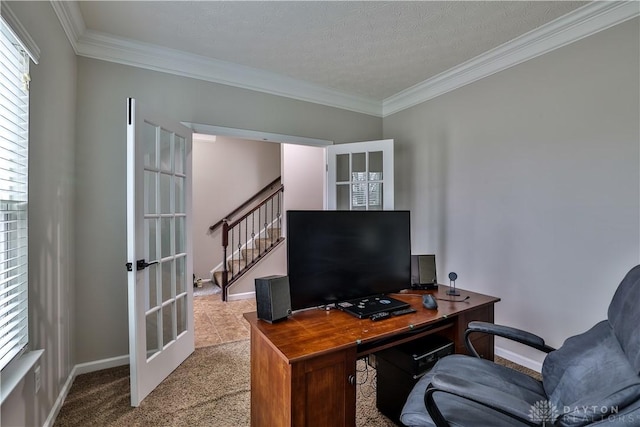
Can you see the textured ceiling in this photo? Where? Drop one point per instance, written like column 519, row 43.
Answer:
column 369, row 49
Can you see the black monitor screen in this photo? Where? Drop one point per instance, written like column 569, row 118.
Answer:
column 335, row 256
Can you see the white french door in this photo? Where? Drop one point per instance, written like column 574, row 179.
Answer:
column 160, row 262
column 360, row 176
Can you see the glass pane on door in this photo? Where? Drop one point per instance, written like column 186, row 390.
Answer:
column 358, row 167
column 167, row 324
column 181, row 275
column 167, row 280
column 359, row 197
column 180, row 154
column 342, row 168
column 165, row 193
column 151, row 235
column 179, row 195
column 153, row 342
column 165, row 150
column 150, row 191
column 152, row 288
column 375, row 166
column 165, row 237
column 375, row 196
column 342, row 197
column 149, row 143
column 181, row 313
column 180, row 234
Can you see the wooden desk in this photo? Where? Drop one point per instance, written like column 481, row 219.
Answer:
column 303, row 368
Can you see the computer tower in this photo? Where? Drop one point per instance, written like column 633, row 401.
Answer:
column 399, row 368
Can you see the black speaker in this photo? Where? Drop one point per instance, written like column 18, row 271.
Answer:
column 273, row 300
column 423, row 272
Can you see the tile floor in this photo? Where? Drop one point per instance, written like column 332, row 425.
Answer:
column 217, row 322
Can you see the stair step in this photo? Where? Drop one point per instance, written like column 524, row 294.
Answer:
column 262, row 243
column 217, row 277
column 275, row 233
column 250, row 254
column 236, row 265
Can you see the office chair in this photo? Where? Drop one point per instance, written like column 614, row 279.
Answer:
column 592, row 379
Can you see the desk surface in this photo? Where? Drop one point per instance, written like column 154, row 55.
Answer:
column 313, row 332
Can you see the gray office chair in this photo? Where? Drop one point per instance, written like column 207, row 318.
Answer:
column 593, row 379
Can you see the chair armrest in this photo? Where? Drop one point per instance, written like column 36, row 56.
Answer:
column 508, row 332
column 489, row 397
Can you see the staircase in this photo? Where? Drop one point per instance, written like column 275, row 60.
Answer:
column 249, row 239
column 248, row 257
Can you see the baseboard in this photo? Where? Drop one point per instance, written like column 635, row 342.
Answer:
column 79, row 369
column 57, row 405
column 244, row 295
column 519, row 359
column 98, row 365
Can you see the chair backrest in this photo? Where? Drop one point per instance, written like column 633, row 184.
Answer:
column 595, row 374
column 624, row 316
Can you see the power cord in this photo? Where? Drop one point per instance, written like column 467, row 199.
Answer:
column 441, row 299
column 454, row 300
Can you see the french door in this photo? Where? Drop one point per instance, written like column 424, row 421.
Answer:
column 360, row 176
column 161, row 326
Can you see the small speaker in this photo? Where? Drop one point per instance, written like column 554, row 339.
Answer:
column 273, row 300
column 423, row 272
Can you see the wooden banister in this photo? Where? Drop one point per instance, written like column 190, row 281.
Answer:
column 247, row 203
column 262, row 202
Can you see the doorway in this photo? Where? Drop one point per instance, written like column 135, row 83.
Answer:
column 217, row 322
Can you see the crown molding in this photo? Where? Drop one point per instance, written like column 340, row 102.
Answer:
column 106, row 47
column 70, row 17
column 574, row 26
column 582, row 22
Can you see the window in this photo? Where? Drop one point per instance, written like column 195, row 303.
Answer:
column 14, row 137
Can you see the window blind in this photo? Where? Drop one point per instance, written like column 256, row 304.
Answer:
column 14, row 137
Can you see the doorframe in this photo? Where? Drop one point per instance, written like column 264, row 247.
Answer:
column 245, row 134
column 256, row 135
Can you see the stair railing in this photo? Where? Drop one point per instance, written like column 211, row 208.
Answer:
column 249, row 201
column 250, row 238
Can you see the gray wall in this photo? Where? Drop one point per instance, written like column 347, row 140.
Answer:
column 51, row 215
column 527, row 183
column 100, row 162
column 225, row 174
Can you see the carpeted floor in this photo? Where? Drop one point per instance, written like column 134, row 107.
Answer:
column 206, row 288
column 211, row 388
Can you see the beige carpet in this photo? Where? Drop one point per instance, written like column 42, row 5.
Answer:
column 211, row 388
